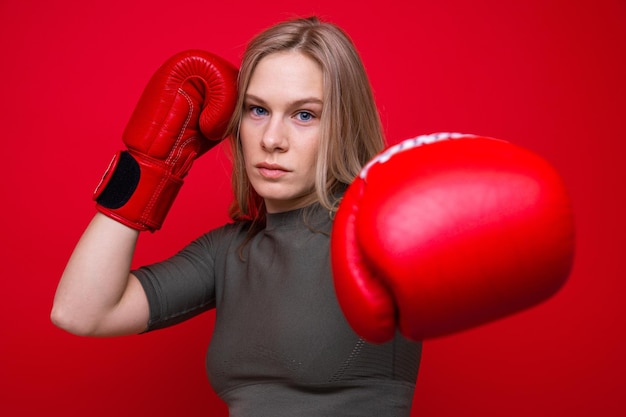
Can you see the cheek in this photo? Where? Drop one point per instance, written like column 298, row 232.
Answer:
column 246, row 128
column 312, row 156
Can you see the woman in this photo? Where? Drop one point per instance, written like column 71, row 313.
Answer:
column 304, row 124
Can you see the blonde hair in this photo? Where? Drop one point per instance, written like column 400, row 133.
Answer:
column 351, row 132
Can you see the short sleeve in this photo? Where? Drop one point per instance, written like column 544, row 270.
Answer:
column 182, row 286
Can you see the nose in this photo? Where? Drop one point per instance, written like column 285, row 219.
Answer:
column 275, row 136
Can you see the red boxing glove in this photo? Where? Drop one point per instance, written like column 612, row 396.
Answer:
column 182, row 113
column 438, row 238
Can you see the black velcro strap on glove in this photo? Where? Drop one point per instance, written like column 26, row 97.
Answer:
column 122, row 182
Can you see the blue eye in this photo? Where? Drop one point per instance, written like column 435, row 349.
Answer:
column 305, row 116
column 258, row 111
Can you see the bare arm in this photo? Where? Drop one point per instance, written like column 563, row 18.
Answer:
column 97, row 295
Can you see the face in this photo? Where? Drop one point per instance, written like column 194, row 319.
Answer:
column 280, row 129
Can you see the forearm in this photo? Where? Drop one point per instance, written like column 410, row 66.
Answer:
column 96, row 278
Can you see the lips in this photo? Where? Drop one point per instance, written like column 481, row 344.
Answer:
column 271, row 171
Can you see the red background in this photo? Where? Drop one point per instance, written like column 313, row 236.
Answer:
column 549, row 75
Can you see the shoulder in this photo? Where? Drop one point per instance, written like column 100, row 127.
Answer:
column 224, row 235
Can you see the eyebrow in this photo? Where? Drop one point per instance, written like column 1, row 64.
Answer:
column 295, row 103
